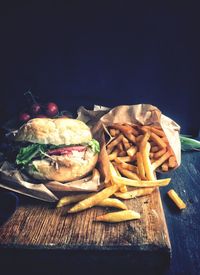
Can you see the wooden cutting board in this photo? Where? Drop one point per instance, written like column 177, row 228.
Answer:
column 39, row 226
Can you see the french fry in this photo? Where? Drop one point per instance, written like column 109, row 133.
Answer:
column 160, row 161
column 176, row 199
column 165, row 167
column 126, row 143
column 76, row 198
column 155, row 138
column 94, row 199
column 139, row 138
column 144, row 141
column 129, row 167
column 130, row 137
column 112, row 203
column 71, row 199
column 124, row 128
column 159, row 153
column 155, row 149
column 112, row 132
column 124, row 215
column 124, row 159
column 172, row 162
column 120, row 147
column 133, row 130
column 113, row 155
column 157, row 131
column 158, row 140
column 128, row 174
column 151, row 155
column 123, row 189
column 132, row 151
column 114, row 165
column 135, row 193
column 140, row 166
column 122, row 154
column 145, row 149
column 140, row 183
column 113, row 143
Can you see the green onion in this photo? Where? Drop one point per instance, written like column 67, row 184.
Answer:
column 189, row 144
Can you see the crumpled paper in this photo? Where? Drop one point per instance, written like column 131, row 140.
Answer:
column 97, row 119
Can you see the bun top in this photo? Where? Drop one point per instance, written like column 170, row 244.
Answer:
column 57, row 131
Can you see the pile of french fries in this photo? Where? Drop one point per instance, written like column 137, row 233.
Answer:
column 134, row 152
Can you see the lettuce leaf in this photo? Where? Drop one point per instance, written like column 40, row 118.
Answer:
column 94, row 144
column 26, row 154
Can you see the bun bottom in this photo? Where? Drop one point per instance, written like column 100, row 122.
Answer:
column 63, row 169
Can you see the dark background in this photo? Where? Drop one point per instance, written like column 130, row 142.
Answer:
column 102, row 52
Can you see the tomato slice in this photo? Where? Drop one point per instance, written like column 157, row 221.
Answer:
column 66, row 150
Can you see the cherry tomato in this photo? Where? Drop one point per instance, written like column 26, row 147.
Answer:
column 24, row 117
column 35, row 108
column 51, row 109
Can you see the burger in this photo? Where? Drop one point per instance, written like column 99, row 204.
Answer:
column 60, row 149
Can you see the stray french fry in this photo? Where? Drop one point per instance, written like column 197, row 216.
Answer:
column 140, row 183
column 146, row 161
column 127, row 173
column 135, row 193
column 160, row 161
column 172, row 162
column 71, row 199
column 112, row 203
column 94, row 199
column 113, row 143
column 159, row 153
column 119, row 216
column 132, row 151
column 176, row 199
column 140, row 165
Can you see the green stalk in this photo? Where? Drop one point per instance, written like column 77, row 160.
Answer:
column 189, row 144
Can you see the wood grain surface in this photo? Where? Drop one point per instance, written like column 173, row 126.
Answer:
column 39, row 227
column 38, row 224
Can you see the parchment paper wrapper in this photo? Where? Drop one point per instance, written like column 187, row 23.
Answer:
column 146, row 114
column 97, row 119
column 140, row 114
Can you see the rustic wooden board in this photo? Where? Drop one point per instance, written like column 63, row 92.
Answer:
column 40, row 226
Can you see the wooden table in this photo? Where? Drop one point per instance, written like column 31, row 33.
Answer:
column 39, row 237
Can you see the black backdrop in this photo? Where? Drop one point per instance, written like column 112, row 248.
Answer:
column 107, row 53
